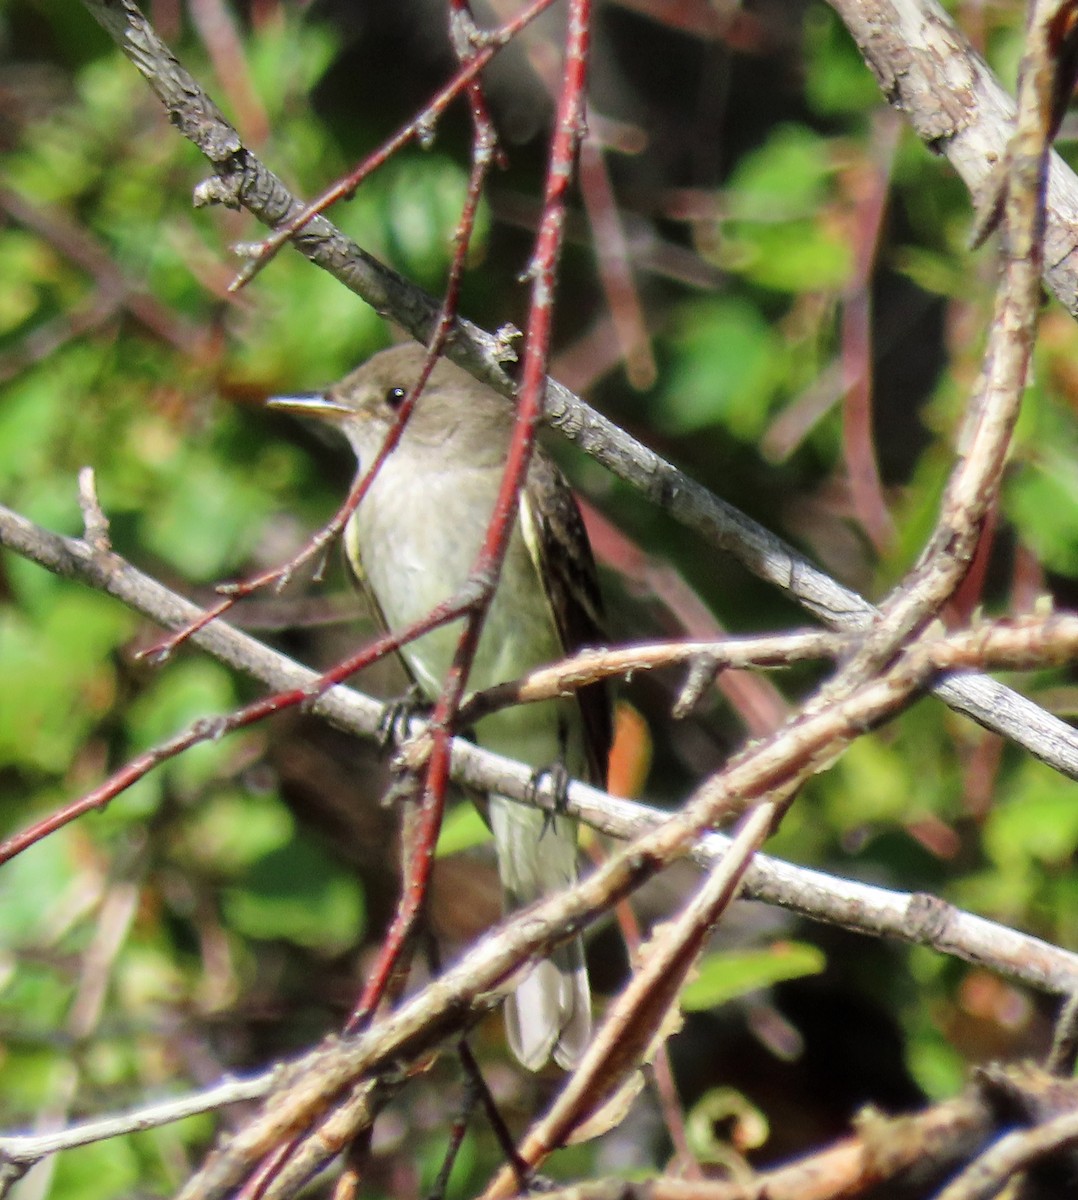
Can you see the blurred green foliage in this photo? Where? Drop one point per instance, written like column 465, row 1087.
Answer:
column 724, row 976
column 120, row 349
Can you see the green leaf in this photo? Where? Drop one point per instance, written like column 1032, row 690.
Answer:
column 58, row 676
column 786, row 177
column 236, row 830
column 1042, row 500
column 422, row 203
column 31, row 419
column 722, row 1125
column 726, row 975
column 936, row 1065
column 44, row 870
column 726, row 372
column 298, row 894
column 1036, row 823
column 183, row 693
column 287, row 56
column 773, row 235
column 933, row 272
column 837, row 82
column 98, row 1171
column 462, row 829
column 204, row 525
column 880, row 777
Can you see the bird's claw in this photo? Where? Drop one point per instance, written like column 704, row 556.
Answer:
column 396, row 717
column 559, row 785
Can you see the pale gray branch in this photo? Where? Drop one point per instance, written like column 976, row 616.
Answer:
column 933, row 76
column 920, row 919
column 30, row 1148
column 240, row 179
column 985, row 435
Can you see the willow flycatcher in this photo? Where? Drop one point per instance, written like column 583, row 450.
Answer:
column 411, row 544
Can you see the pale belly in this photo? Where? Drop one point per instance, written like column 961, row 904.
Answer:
column 427, row 540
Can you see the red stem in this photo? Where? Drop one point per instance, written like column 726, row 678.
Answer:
column 865, row 486
column 213, row 728
column 567, row 134
column 417, row 128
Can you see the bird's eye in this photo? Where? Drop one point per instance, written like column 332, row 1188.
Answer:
column 395, row 397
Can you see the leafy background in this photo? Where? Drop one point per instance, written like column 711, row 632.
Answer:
column 220, row 914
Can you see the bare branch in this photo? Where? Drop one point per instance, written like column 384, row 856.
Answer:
column 975, row 481
column 30, row 1148
column 241, row 179
column 906, row 1153
column 916, row 918
column 928, row 70
column 633, row 1020
column 1013, row 1153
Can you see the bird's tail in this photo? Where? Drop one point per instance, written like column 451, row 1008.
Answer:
column 549, row 1014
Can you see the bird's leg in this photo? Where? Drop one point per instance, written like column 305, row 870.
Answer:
column 396, row 717
column 394, row 736
column 558, row 775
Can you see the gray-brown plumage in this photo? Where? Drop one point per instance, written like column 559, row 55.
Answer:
column 413, row 542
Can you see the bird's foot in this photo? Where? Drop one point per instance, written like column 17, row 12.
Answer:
column 559, row 778
column 393, row 727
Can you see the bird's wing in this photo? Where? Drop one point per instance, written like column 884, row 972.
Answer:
column 558, row 543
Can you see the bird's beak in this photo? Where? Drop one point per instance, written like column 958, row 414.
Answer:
column 311, row 404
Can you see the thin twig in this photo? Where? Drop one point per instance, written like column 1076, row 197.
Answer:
column 899, row 1155
column 419, row 128
column 764, row 771
column 920, row 919
column 31, row 1148
column 240, row 179
column 1064, row 1052
column 621, row 1042
column 975, row 481
column 1013, row 1153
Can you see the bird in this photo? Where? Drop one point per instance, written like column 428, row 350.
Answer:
column 412, row 543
